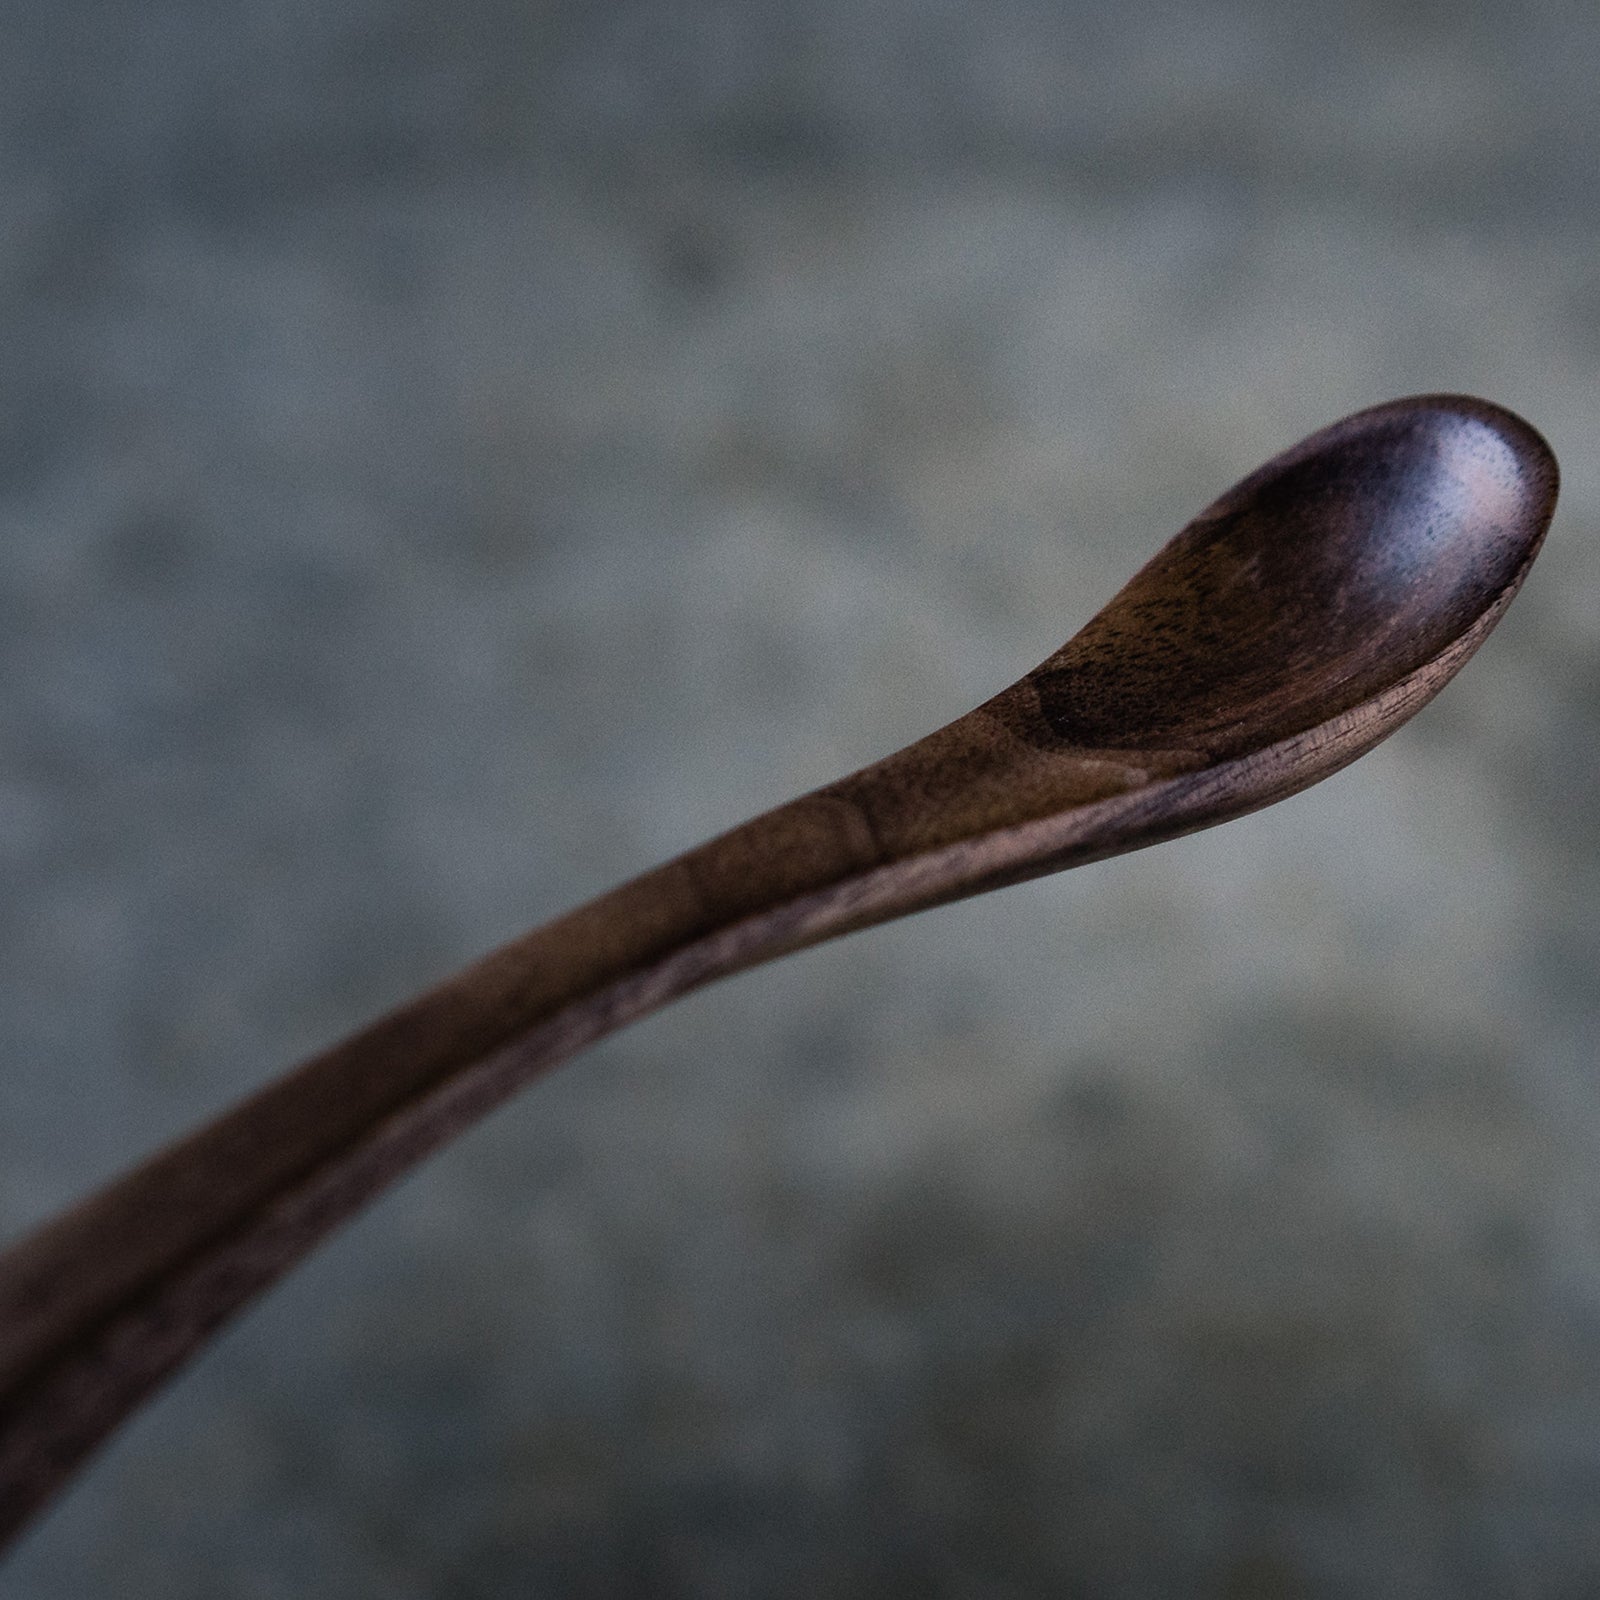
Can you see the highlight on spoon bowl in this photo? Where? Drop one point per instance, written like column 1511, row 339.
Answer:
column 1293, row 624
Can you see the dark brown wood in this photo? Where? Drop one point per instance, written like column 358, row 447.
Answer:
column 1284, row 632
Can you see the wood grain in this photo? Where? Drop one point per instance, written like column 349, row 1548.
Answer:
column 1289, row 628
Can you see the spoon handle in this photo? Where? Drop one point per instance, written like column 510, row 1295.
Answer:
column 101, row 1304
column 98, row 1306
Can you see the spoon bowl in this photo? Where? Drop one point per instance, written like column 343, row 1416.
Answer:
column 1298, row 620
column 1328, row 575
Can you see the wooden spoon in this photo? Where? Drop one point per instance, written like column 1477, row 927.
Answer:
column 1284, row 632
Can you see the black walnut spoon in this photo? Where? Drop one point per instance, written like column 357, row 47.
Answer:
column 1290, row 627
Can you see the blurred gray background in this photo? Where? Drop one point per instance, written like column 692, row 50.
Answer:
column 453, row 457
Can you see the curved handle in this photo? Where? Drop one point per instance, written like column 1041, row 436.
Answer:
column 100, row 1305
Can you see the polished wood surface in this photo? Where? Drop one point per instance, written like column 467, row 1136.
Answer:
column 1289, row 628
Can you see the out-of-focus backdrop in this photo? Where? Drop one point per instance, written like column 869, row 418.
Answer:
column 453, row 456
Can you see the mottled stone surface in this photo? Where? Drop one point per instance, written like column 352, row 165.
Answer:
column 454, row 456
